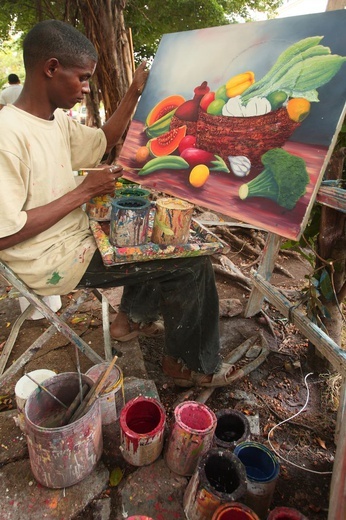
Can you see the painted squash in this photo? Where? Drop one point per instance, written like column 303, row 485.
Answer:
column 163, row 107
column 167, row 143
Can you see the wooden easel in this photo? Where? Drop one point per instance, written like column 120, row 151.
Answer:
column 335, row 198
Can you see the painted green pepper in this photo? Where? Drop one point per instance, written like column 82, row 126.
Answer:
column 167, row 162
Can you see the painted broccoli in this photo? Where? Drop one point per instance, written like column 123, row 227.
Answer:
column 283, row 180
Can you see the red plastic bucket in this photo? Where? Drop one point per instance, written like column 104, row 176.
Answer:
column 234, row 511
column 142, row 425
column 62, row 456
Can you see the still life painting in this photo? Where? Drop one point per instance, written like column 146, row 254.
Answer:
column 242, row 119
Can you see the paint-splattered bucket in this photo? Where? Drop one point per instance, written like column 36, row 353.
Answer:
column 62, row 456
column 190, row 437
column 99, row 208
column 142, row 425
column 112, row 399
column 262, row 470
column 234, row 511
column 285, row 513
column 219, row 478
column 232, row 428
column 24, row 388
column 172, row 221
column 129, row 221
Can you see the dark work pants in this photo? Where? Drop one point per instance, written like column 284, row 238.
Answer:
column 182, row 290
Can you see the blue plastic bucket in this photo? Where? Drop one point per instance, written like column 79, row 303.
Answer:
column 262, row 470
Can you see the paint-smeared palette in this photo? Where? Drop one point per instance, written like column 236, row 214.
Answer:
column 201, row 242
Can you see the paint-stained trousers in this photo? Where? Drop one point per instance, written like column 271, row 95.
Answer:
column 182, row 290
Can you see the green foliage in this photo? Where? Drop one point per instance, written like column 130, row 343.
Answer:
column 147, row 19
column 312, row 293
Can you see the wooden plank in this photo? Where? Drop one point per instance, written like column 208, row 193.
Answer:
column 265, row 269
column 333, row 197
column 335, row 355
column 337, row 501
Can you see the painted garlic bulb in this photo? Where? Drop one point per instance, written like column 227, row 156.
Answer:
column 240, row 165
column 257, row 106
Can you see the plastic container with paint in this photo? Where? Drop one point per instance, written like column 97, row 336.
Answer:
column 220, row 477
column 129, row 221
column 24, row 388
column 142, row 427
column 232, row 428
column 190, row 437
column 64, row 455
column 112, row 398
column 285, row 513
column 234, row 511
column 262, row 470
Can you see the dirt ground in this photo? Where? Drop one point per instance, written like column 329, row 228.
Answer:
column 274, row 392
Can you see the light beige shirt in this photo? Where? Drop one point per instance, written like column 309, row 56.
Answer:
column 37, row 159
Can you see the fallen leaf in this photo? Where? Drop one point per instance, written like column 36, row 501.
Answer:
column 321, row 443
column 115, row 477
column 77, row 319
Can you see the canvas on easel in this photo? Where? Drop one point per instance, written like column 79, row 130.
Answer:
column 242, row 119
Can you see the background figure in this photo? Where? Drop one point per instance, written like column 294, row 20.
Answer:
column 11, row 93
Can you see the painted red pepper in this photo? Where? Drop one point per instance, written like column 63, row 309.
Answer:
column 195, row 156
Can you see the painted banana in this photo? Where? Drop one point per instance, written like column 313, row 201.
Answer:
column 239, row 83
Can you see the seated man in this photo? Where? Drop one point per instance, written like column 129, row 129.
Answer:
column 44, row 234
column 10, row 93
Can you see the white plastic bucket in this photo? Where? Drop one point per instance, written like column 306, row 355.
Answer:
column 24, row 388
column 53, row 302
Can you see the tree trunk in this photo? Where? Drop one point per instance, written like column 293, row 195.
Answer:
column 335, row 4
column 105, row 27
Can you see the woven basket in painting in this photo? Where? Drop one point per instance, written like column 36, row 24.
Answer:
column 248, row 136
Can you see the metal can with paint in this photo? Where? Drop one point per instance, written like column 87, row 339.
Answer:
column 61, row 456
column 99, row 208
column 142, row 427
column 262, row 470
column 190, row 437
column 112, row 398
column 234, row 511
column 219, row 478
column 172, row 221
column 232, row 428
column 132, row 191
column 285, row 513
column 129, row 221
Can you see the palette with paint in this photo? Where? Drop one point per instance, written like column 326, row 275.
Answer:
column 201, row 242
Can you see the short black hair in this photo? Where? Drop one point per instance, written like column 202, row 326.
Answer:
column 56, row 39
column 12, row 79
